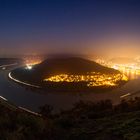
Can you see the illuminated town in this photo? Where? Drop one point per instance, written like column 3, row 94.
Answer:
column 31, row 61
column 131, row 70
column 92, row 79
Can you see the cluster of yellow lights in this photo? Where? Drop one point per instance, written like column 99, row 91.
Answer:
column 127, row 69
column 30, row 64
column 33, row 62
column 92, row 79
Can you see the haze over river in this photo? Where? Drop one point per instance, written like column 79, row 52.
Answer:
column 33, row 99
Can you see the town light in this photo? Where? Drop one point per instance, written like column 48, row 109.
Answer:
column 29, row 67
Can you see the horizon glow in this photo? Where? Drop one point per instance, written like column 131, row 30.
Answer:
column 102, row 27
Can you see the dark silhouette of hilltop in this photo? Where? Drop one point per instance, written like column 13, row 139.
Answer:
column 71, row 65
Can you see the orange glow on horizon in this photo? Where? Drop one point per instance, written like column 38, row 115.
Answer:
column 131, row 70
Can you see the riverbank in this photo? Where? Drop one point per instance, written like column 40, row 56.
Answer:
column 66, row 87
column 13, row 107
column 21, row 82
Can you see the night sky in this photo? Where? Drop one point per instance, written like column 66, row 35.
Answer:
column 70, row 26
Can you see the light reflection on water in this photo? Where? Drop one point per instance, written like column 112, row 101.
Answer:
column 131, row 74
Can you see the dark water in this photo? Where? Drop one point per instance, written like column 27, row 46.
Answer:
column 21, row 96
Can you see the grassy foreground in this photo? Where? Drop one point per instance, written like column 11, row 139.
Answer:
column 85, row 121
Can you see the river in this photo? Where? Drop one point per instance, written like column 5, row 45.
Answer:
column 33, row 99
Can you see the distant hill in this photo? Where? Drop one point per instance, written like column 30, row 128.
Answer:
column 72, row 65
column 57, row 66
